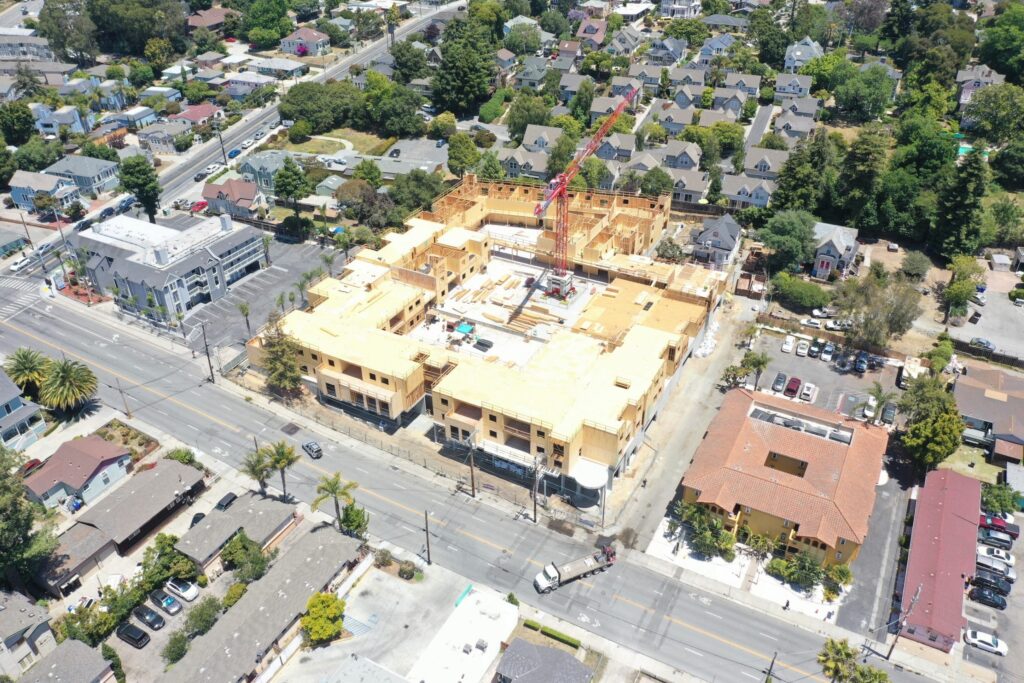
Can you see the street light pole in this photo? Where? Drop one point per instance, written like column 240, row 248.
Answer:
column 472, row 472
column 426, row 528
column 127, row 410
column 536, row 479
column 903, row 621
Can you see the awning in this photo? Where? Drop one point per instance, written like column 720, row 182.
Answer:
column 590, row 474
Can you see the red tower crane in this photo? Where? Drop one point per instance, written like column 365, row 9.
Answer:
column 560, row 281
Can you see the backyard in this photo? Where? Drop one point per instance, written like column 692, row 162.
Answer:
column 970, row 462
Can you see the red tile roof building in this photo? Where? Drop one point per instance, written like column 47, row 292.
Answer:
column 942, row 558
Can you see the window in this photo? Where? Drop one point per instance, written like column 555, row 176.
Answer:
column 373, row 376
column 105, row 478
column 444, row 401
column 384, row 408
column 305, row 369
column 330, row 361
column 540, row 433
column 494, row 434
column 385, row 380
column 492, row 418
column 540, row 449
column 746, row 510
column 785, row 523
column 842, row 541
column 313, row 356
column 331, row 391
column 839, row 556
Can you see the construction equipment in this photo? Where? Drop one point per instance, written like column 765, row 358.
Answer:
column 559, row 282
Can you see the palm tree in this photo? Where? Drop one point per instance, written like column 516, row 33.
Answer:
column 291, row 299
column 756, row 363
column 68, row 384
column 27, row 368
column 267, row 241
column 881, row 397
column 256, row 467
column 328, row 258
column 280, row 301
column 342, row 242
column 332, row 487
column 838, row 660
column 300, row 286
column 280, row 456
column 869, row 674
column 243, row 308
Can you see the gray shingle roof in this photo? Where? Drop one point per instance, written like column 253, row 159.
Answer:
column 19, row 614
column 524, row 662
column 259, row 516
column 87, row 167
column 77, row 544
column 72, row 662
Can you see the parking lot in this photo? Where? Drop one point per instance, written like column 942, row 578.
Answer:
column 1001, row 322
column 1007, row 625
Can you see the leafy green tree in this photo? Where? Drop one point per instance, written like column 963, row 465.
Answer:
column 1008, row 165
column 37, row 154
column 798, row 293
column 999, row 498
column 960, row 211
column 17, row 124
column 838, row 660
column 368, row 171
column 23, row 543
column 560, row 155
column 693, row 31
column 526, row 109
column 1002, row 47
column 579, row 105
column 245, row 558
column 880, row 310
column 67, row 385
column 205, row 40
column 656, row 182
column 98, row 151
column 790, row 235
column 860, row 177
column 932, row 440
column 997, row 112
column 264, row 38
column 443, row 126
column 323, row 618
column 489, row 168
column 291, row 183
column 410, row 62
column 597, row 65
column 415, row 190
column 915, row 265
column 202, row 616
column 140, row 74
column 462, row 153
column 523, row 39
column 280, row 358
column 554, row 23
column 139, row 177
column 594, row 171
column 864, row 95
column 355, row 520
column 176, row 647
column 69, row 30
column 463, row 79
column 809, row 176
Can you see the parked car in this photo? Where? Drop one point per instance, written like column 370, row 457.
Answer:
column 483, row 345
column 987, row 579
column 792, row 387
column 133, row 635
column 979, row 298
column 107, row 213
column 126, row 203
column 1005, row 516
column 892, row 246
column 809, row 392
column 196, row 518
column 861, row 365
column 198, row 177
column 259, row 134
column 982, row 343
column 811, row 322
column 213, row 168
column 184, row 589
column 149, row 617
column 827, row 351
column 996, row 567
column 802, row 348
column 997, row 524
column 838, row 325
column 889, row 413
column 165, row 602
column 996, row 539
column 30, row 466
column 815, row 349
column 986, row 641
column 247, row 143
column 996, row 554
column 313, row 449
column 870, row 407
column 234, row 153
column 20, row 264
column 199, row 206
column 824, row 313
column 82, row 225
column 987, row 597
column 225, row 502
column 780, row 382
column 788, row 343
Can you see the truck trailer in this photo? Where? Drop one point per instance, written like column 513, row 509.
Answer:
column 557, row 575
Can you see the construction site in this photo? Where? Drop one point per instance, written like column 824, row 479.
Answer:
column 455, row 318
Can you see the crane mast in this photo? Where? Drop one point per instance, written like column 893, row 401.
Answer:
column 560, row 280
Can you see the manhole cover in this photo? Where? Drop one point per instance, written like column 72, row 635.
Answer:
column 290, row 428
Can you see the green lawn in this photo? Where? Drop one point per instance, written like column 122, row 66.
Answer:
column 315, row 146
column 970, row 462
column 365, row 143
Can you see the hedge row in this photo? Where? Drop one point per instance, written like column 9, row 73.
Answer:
column 531, row 624
column 560, row 637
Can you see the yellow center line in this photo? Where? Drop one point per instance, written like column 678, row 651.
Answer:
column 89, row 361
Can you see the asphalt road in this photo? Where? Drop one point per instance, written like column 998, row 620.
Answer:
column 177, row 179
column 12, row 16
column 697, row 632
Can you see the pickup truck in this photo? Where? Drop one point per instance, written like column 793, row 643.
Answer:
column 555, row 576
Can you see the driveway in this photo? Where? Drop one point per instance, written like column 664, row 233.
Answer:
column 1001, row 322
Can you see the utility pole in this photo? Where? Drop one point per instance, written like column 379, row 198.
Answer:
column 472, row 472
column 255, row 444
column 30, row 243
column 536, row 479
column 127, row 410
column 903, row 621
column 216, row 127
column 426, row 528
column 771, row 668
column 206, row 346
column 67, row 250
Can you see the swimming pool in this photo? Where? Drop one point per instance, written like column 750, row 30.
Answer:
column 464, row 328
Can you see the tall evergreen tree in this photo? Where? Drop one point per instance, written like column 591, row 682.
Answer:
column 463, row 80
column 960, row 213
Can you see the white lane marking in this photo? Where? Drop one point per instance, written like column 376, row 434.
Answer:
column 693, row 652
column 412, row 531
column 712, row 614
column 360, row 469
column 756, row 678
column 398, row 486
column 453, row 548
column 767, row 636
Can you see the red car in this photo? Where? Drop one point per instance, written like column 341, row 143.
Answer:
column 31, row 466
column 997, row 524
column 792, row 387
column 198, row 206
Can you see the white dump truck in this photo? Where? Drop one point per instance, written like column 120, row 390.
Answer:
column 556, row 575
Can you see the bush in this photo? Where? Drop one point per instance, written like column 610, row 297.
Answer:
column 244, row 556
column 234, row 594
column 796, row 293
column 176, row 647
column 728, row 554
column 531, row 624
column 512, row 599
column 778, row 568
column 1015, row 294
column 202, row 616
column 560, row 637
column 323, row 619
column 382, row 558
column 940, row 355
column 406, row 570
column 830, row 595
column 484, row 139
column 110, row 654
column 300, row 132
column 492, row 108
column 185, row 456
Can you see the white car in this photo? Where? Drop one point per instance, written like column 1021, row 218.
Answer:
column 212, row 168
column 986, row 641
column 20, row 264
column 811, row 322
column 246, row 144
column 787, row 345
column 827, row 351
column 802, row 348
column 996, row 554
column 186, row 590
column 979, row 299
column 809, row 392
column 870, row 406
column 823, row 313
column 838, row 325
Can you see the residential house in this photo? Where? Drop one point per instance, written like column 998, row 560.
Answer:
column 50, row 122
column 641, row 163
column 673, row 118
column 742, row 191
column 792, row 85
column 25, row 49
column 326, row 187
column 682, row 75
column 835, row 247
column 10, row 242
column 130, row 151
column 992, row 402
column 212, row 18
column 648, row 74
column 25, row 185
column 569, row 85
column 569, row 47
column 250, row 637
column 666, row 51
column 21, row 420
column 91, row 176
column 263, row 519
column 72, row 660
column 764, row 163
column 434, row 58
column 182, row 70
column 614, row 147
column 82, row 468
column 384, row 70
column 168, row 93
column 532, row 73
column 523, row 163
column 717, row 241
column 710, row 117
column 591, row 33
column 524, row 662
column 209, row 59
column 199, row 114
column 261, row 167
column 175, row 269
column 279, row 67
column 241, row 85
column 689, row 187
column 794, row 128
column 602, row 106
column 748, row 83
column 811, row 490
column 689, row 96
column 25, row 635
column 540, row 138
column 134, row 118
column 623, row 85
column 801, row 52
column 54, row 74
column 235, row 62
column 346, row 25
column 715, row 46
column 802, row 106
column 519, row 21
column 974, row 78
column 625, row 42
column 159, row 138
column 943, row 542
column 725, row 23
column 682, row 155
column 633, row 12
column 212, row 77
column 423, row 86
column 596, row 8
column 892, row 72
column 237, row 198
column 729, row 99
column 505, row 59
column 563, row 63
column 681, row 9
column 306, row 41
